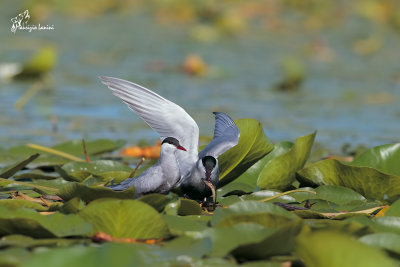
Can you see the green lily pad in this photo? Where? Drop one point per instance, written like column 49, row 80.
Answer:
column 29, row 242
column 19, row 203
column 157, row 201
column 45, row 159
column 72, row 206
column 35, row 174
column 179, row 225
column 223, row 241
column 350, row 226
column 384, row 158
column 253, row 145
column 265, row 214
column 189, row 207
column 365, row 180
column 279, row 242
column 279, row 172
column 234, row 188
column 41, row 62
column 331, row 249
column 259, row 195
column 250, row 176
column 394, row 209
column 125, row 218
column 30, row 223
column 90, row 193
column 9, row 171
column 387, row 241
column 13, row 256
column 97, row 167
column 338, row 194
column 75, row 147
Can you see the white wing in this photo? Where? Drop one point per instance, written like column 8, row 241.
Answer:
column 163, row 116
column 226, row 136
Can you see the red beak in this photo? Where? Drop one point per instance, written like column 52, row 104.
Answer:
column 181, row 148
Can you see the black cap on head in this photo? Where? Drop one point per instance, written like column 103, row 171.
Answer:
column 209, row 162
column 173, row 141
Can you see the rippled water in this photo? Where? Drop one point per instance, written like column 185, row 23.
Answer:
column 352, row 98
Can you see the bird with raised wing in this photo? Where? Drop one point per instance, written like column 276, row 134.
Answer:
column 170, row 120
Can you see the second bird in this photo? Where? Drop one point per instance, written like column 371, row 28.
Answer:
column 171, row 121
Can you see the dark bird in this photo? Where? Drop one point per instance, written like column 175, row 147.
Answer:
column 197, row 171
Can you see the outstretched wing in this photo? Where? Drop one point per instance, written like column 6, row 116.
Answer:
column 163, row 116
column 226, row 136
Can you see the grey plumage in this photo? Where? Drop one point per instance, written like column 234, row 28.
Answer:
column 226, row 136
column 170, row 120
column 159, row 178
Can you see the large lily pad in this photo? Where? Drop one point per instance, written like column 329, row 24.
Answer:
column 365, row 180
column 223, row 241
column 279, row 242
column 89, row 193
column 14, row 168
column 125, row 218
column 94, row 147
column 279, row 172
column 384, row 158
column 31, row 223
column 331, row 249
column 250, row 176
column 253, row 145
column 387, row 241
column 338, row 194
column 265, row 214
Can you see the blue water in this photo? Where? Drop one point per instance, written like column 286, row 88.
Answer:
column 352, row 98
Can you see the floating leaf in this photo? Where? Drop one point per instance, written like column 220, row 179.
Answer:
column 280, row 242
column 19, row 203
column 97, row 167
column 29, row 242
column 250, row 176
column 90, row 193
column 253, row 145
column 125, row 218
column 11, row 170
column 365, row 180
column 94, row 147
column 279, row 172
column 223, row 241
column 384, row 158
column 328, row 249
column 189, row 207
column 387, row 241
column 42, row 62
column 183, row 225
column 157, row 201
column 31, row 223
column 394, row 209
column 251, row 211
column 338, row 194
